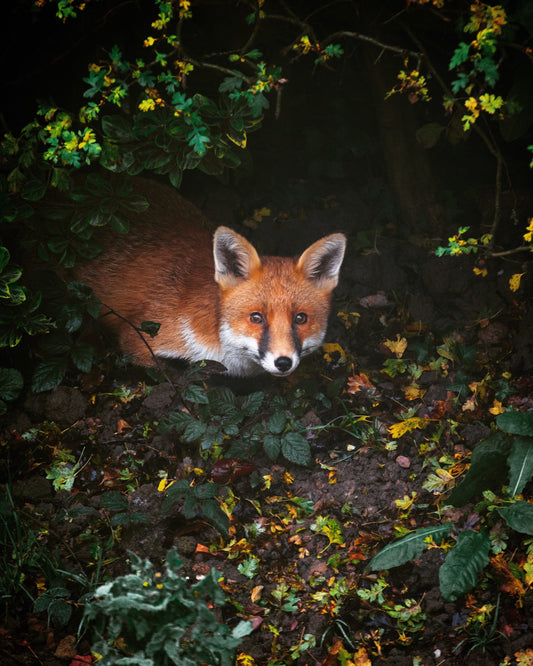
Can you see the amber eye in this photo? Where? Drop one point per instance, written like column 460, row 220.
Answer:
column 300, row 318
column 256, row 318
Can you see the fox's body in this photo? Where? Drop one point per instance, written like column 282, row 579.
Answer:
column 214, row 297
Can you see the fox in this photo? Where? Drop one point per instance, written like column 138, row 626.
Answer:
column 214, row 296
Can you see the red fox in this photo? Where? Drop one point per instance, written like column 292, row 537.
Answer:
column 215, row 297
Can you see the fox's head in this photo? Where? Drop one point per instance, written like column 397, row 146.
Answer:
column 274, row 310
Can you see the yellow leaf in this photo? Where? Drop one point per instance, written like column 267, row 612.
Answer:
column 480, row 271
column 256, row 593
column 413, row 391
column 330, row 348
column 514, row 281
column 397, row 346
column 163, row 484
column 497, row 408
column 397, row 430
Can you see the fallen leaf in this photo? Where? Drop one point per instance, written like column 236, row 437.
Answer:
column 358, row 383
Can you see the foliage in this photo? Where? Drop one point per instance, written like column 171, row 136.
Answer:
column 506, row 455
column 219, row 416
column 160, row 618
column 200, row 501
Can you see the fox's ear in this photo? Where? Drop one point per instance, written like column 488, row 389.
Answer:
column 321, row 262
column 235, row 257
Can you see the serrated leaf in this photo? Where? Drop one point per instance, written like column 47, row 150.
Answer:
column 520, row 463
column 519, row 516
column 48, row 375
column 83, row 356
column 460, row 571
column 272, row 446
column 296, row 448
column 277, row 423
column 487, row 469
column 408, row 547
column 11, row 383
column 113, row 500
column 194, row 430
column 196, row 393
column 516, row 423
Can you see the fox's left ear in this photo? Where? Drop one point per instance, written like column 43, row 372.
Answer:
column 321, row 262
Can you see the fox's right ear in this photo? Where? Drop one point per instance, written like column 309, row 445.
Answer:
column 235, row 257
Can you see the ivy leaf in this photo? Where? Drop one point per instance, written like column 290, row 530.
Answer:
column 408, row 548
column 460, row 570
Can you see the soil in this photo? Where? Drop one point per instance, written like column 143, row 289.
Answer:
column 395, row 286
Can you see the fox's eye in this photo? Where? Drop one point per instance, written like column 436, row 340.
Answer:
column 256, row 318
column 300, row 318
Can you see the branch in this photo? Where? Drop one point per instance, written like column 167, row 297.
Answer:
column 505, row 253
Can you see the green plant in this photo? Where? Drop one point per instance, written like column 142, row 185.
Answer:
column 199, row 502
column 159, row 619
column 218, row 416
column 505, row 454
column 479, row 635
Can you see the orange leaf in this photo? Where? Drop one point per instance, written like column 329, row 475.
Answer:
column 359, row 382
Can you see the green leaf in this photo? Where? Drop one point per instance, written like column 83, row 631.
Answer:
column 11, row 383
column 113, row 500
column 83, row 356
column 408, row 547
column 519, row 516
column 277, row 423
column 460, row 55
column 48, row 374
column 196, row 393
column 33, row 190
column 295, row 448
column 516, row 423
column 194, row 431
column 212, row 511
column 520, row 463
column 244, row 628
column 272, row 446
column 487, row 469
column 460, row 571
column 150, row 327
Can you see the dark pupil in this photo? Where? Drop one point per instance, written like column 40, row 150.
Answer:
column 256, row 318
column 300, row 318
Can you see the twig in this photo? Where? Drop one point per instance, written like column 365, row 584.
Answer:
column 140, row 334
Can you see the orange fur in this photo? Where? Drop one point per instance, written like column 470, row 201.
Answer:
column 169, row 270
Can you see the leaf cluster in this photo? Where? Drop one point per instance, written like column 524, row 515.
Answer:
column 159, row 619
column 219, row 416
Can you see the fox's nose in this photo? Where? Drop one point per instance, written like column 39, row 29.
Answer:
column 283, row 363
